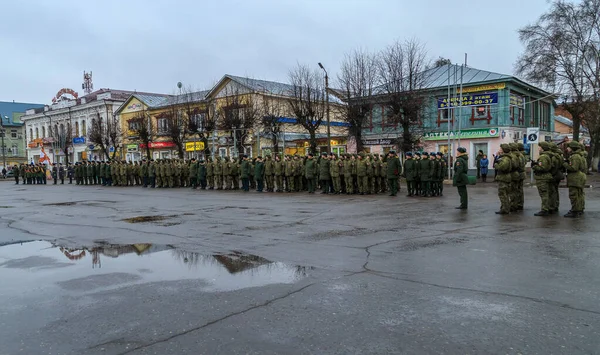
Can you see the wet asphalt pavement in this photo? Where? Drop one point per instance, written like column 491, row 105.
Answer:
column 93, row 270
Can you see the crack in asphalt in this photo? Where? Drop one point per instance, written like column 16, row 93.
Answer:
column 533, row 299
column 264, row 304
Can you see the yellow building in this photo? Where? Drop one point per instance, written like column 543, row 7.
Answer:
column 237, row 116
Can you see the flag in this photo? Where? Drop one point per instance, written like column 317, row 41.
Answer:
column 44, row 157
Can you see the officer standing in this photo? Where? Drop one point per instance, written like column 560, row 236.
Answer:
column 460, row 177
column 543, row 177
column 503, row 166
column 576, row 167
column 393, row 169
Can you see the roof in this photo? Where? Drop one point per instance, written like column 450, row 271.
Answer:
column 9, row 109
column 152, row 100
column 197, row 96
column 266, row 87
column 567, row 121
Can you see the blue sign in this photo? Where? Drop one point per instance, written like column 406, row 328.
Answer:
column 91, row 147
column 469, row 100
column 79, row 140
column 111, row 149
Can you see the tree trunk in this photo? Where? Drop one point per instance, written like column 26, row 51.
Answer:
column 313, row 141
column 358, row 138
column 406, row 137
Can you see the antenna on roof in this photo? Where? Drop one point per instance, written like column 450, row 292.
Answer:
column 87, row 85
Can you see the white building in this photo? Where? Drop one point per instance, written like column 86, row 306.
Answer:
column 46, row 127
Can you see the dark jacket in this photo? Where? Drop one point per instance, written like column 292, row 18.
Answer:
column 259, row 170
column 460, row 171
column 484, row 164
column 394, row 167
column 324, row 166
column 310, row 169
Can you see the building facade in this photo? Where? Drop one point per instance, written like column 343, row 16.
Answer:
column 495, row 109
column 12, row 132
column 61, row 131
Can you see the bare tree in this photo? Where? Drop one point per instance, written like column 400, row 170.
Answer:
column 143, row 130
column 272, row 112
column 106, row 133
column 562, row 53
column 357, row 79
column 238, row 115
column 307, row 100
column 403, row 76
column 441, row 61
column 64, row 138
column 199, row 117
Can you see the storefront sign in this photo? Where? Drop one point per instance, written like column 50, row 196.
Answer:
column 132, row 148
column 488, row 87
column 134, row 106
column 517, row 100
column 469, row 100
column 157, row 145
column 193, row 146
column 79, row 140
column 65, row 91
column 384, row 141
column 464, row 134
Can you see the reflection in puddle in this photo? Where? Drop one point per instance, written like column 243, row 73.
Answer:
column 29, row 266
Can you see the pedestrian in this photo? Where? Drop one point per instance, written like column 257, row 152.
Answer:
column 483, row 166
column 576, row 168
column 61, row 173
column 245, row 173
column 460, row 177
column 4, row 172
column 259, row 173
column 202, row 174
column 16, row 174
column 543, row 177
column 478, row 163
column 324, row 173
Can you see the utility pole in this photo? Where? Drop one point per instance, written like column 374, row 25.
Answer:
column 2, row 133
column 327, row 105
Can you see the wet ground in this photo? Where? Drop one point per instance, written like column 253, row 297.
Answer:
column 92, row 270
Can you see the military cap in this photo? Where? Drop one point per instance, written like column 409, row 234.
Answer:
column 408, row 154
column 573, row 145
column 440, row 154
column 505, row 147
column 521, row 146
column 425, row 154
column 513, row 147
column 324, row 154
column 310, row 154
column 461, row 150
column 432, row 153
column 362, row 154
column 545, row 145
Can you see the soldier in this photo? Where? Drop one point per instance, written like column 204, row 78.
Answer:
column 542, row 170
column 96, row 172
column 176, row 173
column 383, row 164
column 435, row 172
column 218, row 171
column 193, row 173
column 425, row 170
column 410, row 174
column 55, row 173
column 503, row 167
column 557, row 176
column 259, row 173
column 418, row 187
column 289, row 174
column 245, row 173
column 15, row 170
column 349, row 165
column 393, row 170
column 202, row 173
column 42, row 174
column 107, row 177
column 298, row 172
column 515, row 175
column 235, row 174
column 310, row 172
column 442, row 173
column 460, row 177
column 361, row 174
column 169, row 173
column 341, row 161
column 227, row 181
column 324, row 173
column 61, row 173
column 370, row 174
column 269, row 172
column 252, row 181
column 210, row 173
column 576, row 167
column 334, row 172
column 523, row 161
column 152, row 173
column 278, row 170
column 144, row 173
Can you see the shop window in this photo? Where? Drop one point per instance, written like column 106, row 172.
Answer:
column 481, row 111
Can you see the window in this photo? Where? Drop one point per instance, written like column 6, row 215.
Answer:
column 15, row 150
column 76, row 129
column 37, row 133
column 222, row 152
column 544, row 116
column 44, row 132
column 481, row 111
column 134, row 125
column 162, row 125
column 13, row 133
column 31, row 134
column 198, row 120
column 83, row 129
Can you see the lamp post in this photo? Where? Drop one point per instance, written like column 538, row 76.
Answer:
column 2, row 132
column 327, row 105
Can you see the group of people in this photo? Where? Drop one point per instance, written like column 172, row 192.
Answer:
column 549, row 170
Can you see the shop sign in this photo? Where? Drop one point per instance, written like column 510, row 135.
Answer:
column 517, row 100
column 487, row 87
column 464, row 134
column 193, row 146
column 384, row 141
column 134, row 106
column 469, row 100
column 156, row 145
column 132, row 148
column 79, row 140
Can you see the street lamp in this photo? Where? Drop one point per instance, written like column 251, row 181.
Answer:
column 327, row 103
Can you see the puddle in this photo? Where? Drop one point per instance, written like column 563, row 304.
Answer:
column 28, row 268
column 7, row 206
column 144, row 219
column 61, row 204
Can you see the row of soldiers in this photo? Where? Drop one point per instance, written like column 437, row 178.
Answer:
column 425, row 174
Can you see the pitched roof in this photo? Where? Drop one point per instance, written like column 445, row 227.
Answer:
column 438, row 77
column 9, row 108
column 568, row 122
column 152, row 100
column 197, row 96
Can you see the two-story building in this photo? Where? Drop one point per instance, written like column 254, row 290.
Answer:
column 495, row 109
column 12, row 131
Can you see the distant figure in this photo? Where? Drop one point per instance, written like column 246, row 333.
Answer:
column 478, row 162
column 484, row 164
column 4, row 173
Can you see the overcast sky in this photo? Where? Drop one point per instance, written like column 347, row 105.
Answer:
column 151, row 45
